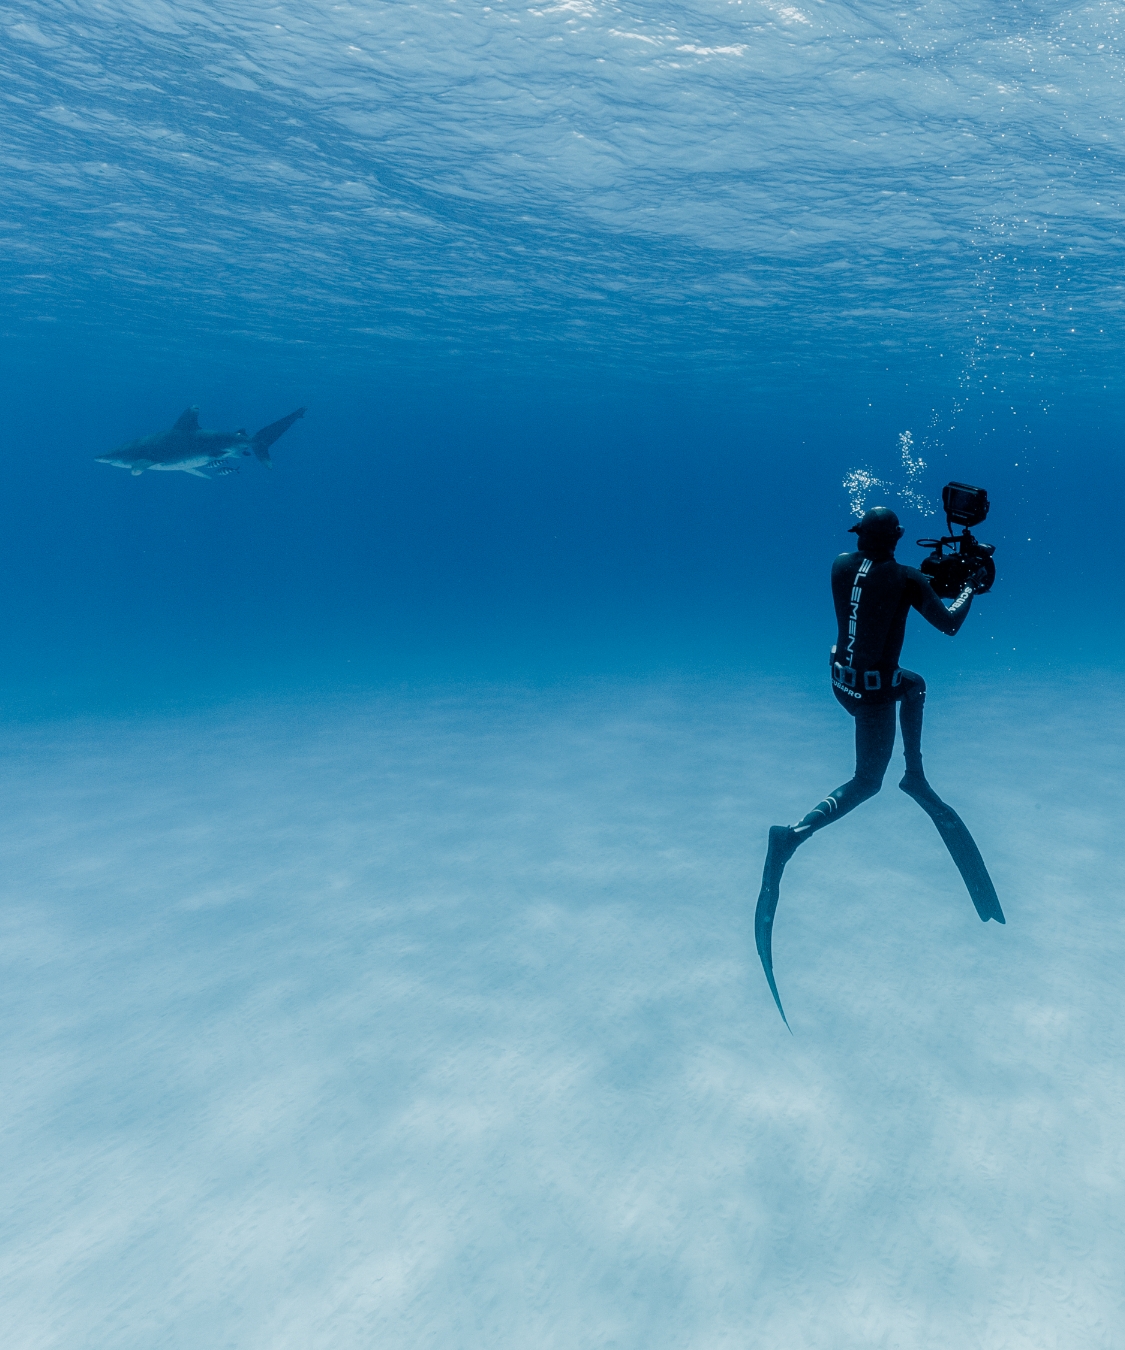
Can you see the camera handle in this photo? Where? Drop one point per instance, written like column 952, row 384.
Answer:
column 964, row 542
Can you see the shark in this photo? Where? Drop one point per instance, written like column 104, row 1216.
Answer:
column 187, row 448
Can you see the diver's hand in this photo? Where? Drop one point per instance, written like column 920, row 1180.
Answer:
column 977, row 580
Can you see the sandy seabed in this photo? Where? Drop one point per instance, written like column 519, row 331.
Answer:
column 434, row 1019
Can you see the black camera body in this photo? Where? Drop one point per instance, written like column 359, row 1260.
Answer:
column 969, row 563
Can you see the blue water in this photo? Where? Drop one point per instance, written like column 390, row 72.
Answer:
column 383, row 830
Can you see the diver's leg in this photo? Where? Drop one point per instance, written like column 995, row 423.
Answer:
column 874, row 742
column 911, row 708
column 955, row 835
column 910, row 711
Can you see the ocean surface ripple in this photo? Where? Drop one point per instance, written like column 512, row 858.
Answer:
column 823, row 173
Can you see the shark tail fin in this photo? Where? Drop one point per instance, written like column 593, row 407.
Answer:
column 266, row 437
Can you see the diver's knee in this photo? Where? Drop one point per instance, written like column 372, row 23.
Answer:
column 866, row 788
column 915, row 687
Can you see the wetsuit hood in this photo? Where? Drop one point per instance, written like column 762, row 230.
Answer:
column 879, row 532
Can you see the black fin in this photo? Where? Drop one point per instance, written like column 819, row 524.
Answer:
column 265, row 438
column 188, row 420
column 782, row 846
column 961, row 845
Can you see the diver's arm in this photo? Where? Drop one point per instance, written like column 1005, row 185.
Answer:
column 926, row 602
column 958, row 611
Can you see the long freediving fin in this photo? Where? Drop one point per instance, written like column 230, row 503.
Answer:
column 782, row 846
column 961, row 845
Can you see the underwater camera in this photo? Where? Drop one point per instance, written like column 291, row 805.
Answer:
column 968, row 563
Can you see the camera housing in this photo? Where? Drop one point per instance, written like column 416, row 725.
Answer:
column 969, row 562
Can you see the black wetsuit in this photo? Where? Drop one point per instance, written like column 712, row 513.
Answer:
column 873, row 595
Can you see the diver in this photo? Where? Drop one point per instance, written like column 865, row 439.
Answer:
column 873, row 594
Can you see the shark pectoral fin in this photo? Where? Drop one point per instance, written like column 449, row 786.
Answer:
column 188, row 420
column 962, row 848
column 782, row 846
column 265, row 438
column 196, row 474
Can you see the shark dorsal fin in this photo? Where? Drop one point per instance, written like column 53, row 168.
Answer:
column 188, row 420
